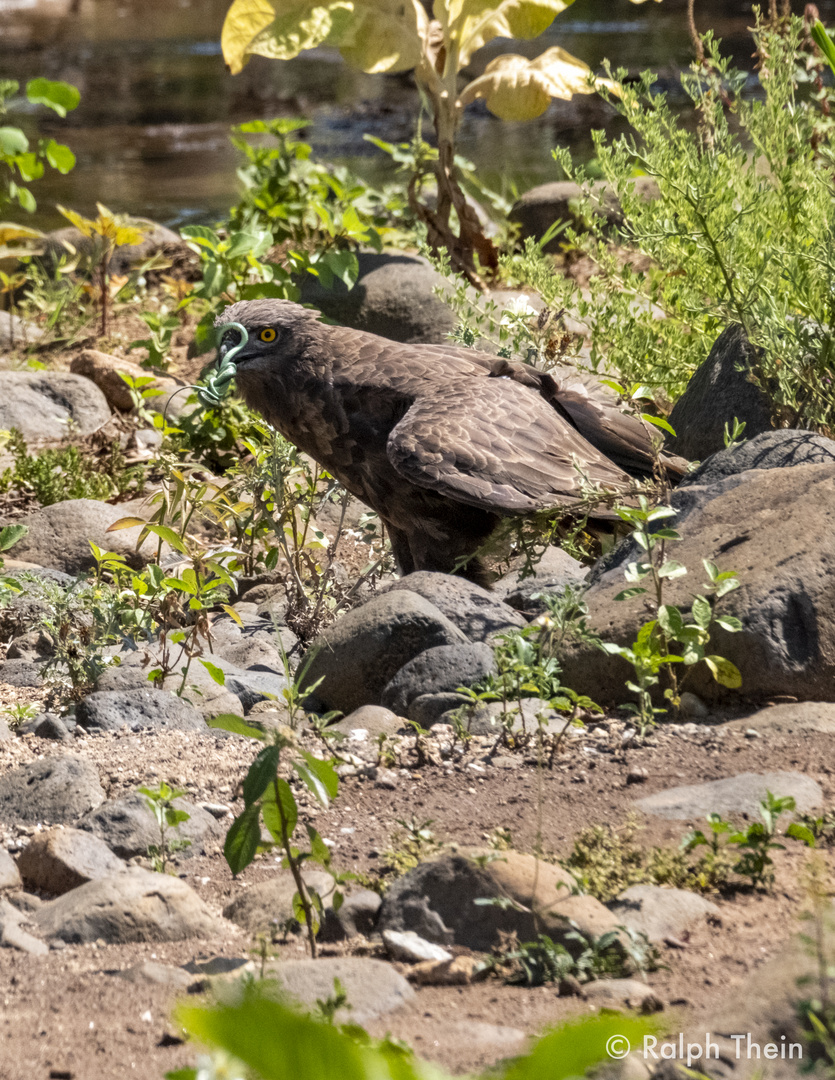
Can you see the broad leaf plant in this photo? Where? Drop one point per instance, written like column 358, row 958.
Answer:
column 387, row 36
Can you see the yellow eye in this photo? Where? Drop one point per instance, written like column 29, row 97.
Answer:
column 268, row 334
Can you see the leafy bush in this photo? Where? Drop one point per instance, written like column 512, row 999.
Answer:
column 54, row 475
column 377, row 37
column 741, row 231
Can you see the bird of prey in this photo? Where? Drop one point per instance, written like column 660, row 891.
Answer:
column 441, row 441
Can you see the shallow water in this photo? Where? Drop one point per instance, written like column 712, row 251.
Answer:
column 151, row 131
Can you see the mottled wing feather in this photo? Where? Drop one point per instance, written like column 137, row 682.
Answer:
column 497, row 446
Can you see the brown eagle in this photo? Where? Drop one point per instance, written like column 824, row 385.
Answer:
column 441, row 441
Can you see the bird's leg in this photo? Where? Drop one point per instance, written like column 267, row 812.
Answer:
column 400, row 548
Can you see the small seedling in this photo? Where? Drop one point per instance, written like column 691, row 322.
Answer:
column 160, row 801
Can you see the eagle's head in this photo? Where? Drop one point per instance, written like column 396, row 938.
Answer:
column 270, row 328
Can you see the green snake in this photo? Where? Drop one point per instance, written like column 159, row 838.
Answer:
column 216, row 386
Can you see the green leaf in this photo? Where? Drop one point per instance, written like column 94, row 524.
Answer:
column 672, row 569
column 236, row 724
column 261, row 773
column 270, row 811
column 60, row 157
column 216, row 673
column 729, row 623
column 628, row 594
column 10, row 534
column 724, row 672
column 59, row 96
column 12, row 142
column 802, row 833
column 242, row 840
column 670, row 621
column 659, row 422
column 343, row 265
column 824, row 43
column 702, row 612
column 319, row 851
column 168, row 535
column 318, row 776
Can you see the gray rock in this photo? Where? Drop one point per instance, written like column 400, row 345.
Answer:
column 356, row 916
column 267, row 906
column 437, row 671
column 660, row 913
column 789, row 719
column 786, row 601
column 151, row 973
column 62, row 859
column 373, row 988
column 371, row 718
column 55, row 789
column 34, row 646
column 765, row 1008
column 359, row 654
column 394, row 296
column 740, row 794
column 15, row 332
column 50, row 726
column 476, row 612
column 719, row 390
column 13, row 936
column 537, row 210
column 109, row 710
column 437, row 901
column 134, row 905
column 780, row 449
column 41, row 403
column 9, row 873
column 430, row 709
column 408, row 946
column 59, row 536
column 487, row 719
column 5, row 732
column 552, row 573
column 29, row 607
column 632, row 993
column 21, row 673
column 202, row 692
column 129, row 828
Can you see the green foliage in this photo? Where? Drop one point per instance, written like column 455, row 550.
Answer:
column 412, row 843
column 20, row 163
column 52, row 476
column 651, row 652
column 311, row 205
column 375, row 36
column 268, row 798
column 158, row 345
column 160, row 801
column 18, row 714
column 741, row 231
column 613, row 955
column 272, row 1042
column 751, row 846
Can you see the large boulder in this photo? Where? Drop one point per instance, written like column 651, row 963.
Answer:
column 129, row 828
column 41, row 404
column 540, row 207
column 437, row 900
column 106, row 372
column 394, row 296
column 360, row 653
column 779, row 449
column 59, row 535
column 721, row 388
column 134, row 905
column 54, row 789
column 774, row 527
column 62, row 859
column 475, row 611
column 438, row 671
column 109, row 710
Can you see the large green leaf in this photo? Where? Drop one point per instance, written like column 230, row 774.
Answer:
column 243, row 839
column 469, row 24
column 60, row 96
column 12, row 141
column 515, row 88
column 261, row 773
column 281, row 32
column 270, row 810
column 385, row 35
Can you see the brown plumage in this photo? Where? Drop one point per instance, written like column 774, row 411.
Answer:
column 438, row 440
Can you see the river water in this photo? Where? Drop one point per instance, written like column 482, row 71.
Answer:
column 151, row 133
